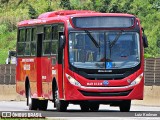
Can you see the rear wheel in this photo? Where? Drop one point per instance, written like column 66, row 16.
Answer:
column 32, row 103
column 125, row 106
column 35, row 104
column 61, row 105
column 42, row 104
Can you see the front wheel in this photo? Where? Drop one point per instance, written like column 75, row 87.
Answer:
column 125, row 106
column 61, row 105
column 94, row 107
column 84, row 107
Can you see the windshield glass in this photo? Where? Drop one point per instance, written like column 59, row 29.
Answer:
column 116, row 50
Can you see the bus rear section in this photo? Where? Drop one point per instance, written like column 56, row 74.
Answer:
column 99, row 60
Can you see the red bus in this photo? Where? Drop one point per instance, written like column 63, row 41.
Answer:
column 80, row 57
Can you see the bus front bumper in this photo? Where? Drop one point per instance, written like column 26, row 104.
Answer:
column 104, row 93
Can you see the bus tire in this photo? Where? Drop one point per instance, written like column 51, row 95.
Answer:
column 42, row 104
column 61, row 105
column 125, row 106
column 32, row 103
column 84, row 107
column 94, row 107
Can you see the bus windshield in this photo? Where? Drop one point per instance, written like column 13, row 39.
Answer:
column 117, row 49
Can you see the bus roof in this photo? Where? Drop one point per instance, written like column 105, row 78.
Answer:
column 63, row 15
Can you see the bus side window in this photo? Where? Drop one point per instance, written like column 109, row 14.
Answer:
column 60, row 50
column 33, row 42
column 21, row 42
column 54, row 48
column 28, row 40
column 47, row 41
column 54, row 45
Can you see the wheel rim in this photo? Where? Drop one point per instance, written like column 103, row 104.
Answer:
column 56, row 98
column 29, row 98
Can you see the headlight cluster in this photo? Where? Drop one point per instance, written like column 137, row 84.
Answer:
column 137, row 80
column 76, row 83
column 73, row 81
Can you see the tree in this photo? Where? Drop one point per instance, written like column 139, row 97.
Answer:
column 32, row 12
column 49, row 8
column 22, row 1
column 65, row 4
column 4, row 1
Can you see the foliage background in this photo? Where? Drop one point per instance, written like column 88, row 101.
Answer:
column 13, row 11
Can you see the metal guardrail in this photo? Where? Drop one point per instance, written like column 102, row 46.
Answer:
column 7, row 74
column 152, row 72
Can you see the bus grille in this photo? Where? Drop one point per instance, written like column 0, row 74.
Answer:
column 105, row 94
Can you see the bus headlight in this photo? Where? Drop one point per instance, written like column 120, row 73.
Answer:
column 73, row 81
column 137, row 80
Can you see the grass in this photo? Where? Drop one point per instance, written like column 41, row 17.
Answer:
column 31, row 119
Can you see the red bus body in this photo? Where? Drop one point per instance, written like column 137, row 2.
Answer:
column 41, row 74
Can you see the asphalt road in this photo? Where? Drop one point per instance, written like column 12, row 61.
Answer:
column 105, row 112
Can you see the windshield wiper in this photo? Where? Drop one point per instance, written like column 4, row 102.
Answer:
column 116, row 39
column 92, row 38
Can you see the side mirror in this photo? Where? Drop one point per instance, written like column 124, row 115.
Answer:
column 61, row 42
column 145, row 41
column 158, row 43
